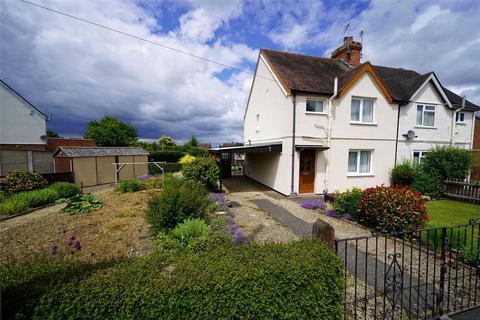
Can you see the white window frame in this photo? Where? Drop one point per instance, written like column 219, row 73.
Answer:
column 421, row 155
column 360, row 121
column 457, row 117
column 423, row 105
column 357, row 173
column 315, row 112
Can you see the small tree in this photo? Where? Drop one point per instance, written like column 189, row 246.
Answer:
column 52, row 134
column 166, row 142
column 403, row 174
column 193, row 142
column 448, row 162
column 111, row 132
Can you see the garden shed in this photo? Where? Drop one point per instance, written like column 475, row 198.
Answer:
column 96, row 165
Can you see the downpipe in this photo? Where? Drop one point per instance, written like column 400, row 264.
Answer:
column 329, row 133
column 292, row 185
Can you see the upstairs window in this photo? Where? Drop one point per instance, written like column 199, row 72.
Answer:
column 460, row 117
column 425, row 115
column 359, row 162
column 315, row 105
column 362, row 110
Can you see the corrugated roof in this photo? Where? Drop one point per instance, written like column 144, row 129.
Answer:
column 312, row 74
column 75, row 152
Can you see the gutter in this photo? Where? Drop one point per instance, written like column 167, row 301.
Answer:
column 454, row 115
column 329, row 133
column 292, row 185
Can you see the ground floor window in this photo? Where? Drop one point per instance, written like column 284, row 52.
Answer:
column 418, row 156
column 359, row 161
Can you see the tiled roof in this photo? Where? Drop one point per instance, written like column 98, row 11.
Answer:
column 311, row 74
column 75, row 152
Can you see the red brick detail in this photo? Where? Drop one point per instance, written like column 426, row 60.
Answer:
column 350, row 52
column 55, row 143
column 27, row 147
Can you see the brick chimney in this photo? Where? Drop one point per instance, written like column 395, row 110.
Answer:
column 350, row 52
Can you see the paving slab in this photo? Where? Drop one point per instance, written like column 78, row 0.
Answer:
column 299, row 227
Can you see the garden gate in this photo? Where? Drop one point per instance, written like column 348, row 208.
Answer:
column 419, row 274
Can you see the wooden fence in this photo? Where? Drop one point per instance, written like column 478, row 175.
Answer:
column 468, row 191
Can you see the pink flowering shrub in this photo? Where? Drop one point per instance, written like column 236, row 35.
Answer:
column 392, row 209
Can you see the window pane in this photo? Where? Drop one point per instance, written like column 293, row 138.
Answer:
column 367, row 112
column 429, row 119
column 416, row 157
column 315, row 105
column 364, row 161
column 352, row 161
column 419, row 115
column 430, row 108
column 355, row 115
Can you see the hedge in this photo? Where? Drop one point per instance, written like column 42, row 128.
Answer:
column 167, row 168
column 300, row 280
column 166, row 156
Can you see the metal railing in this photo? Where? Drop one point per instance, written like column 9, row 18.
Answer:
column 420, row 274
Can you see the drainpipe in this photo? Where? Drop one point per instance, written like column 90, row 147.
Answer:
column 396, row 138
column 292, row 185
column 454, row 115
column 329, row 133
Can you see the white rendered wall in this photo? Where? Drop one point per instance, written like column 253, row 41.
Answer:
column 19, row 122
column 439, row 134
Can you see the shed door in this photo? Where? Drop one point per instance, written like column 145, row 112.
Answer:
column 307, row 171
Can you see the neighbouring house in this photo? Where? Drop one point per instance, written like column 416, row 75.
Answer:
column 476, row 150
column 23, row 134
column 317, row 125
column 96, row 165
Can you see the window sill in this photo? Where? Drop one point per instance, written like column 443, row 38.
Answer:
column 363, row 123
column 425, row 127
column 460, row 123
column 360, row 175
column 316, row 113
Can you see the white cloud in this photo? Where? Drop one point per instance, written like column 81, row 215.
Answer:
column 79, row 72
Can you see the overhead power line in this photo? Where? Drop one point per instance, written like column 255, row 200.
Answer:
column 143, row 39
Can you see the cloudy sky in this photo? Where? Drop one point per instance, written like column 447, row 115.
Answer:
column 79, row 72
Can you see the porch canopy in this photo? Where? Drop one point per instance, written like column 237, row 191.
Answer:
column 300, row 147
column 251, row 148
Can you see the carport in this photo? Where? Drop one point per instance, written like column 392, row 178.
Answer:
column 224, row 155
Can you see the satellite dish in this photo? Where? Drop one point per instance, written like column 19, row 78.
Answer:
column 44, row 137
column 410, row 134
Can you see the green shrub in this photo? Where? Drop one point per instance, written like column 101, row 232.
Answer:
column 192, row 234
column 12, row 206
column 448, row 162
column 179, row 200
column 195, row 151
column 82, row 203
column 21, row 202
column 167, row 168
column 428, row 183
column 299, row 280
column 20, row 181
column 392, row 209
column 204, row 170
column 154, row 183
column 166, row 156
column 348, row 202
column 130, row 186
column 65, row 189
column 403, row 174
column 3, row 196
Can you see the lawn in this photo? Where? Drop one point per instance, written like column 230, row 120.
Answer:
column 450, row 212
column 447, row 213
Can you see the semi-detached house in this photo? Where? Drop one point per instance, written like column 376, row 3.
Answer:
column 316, row 125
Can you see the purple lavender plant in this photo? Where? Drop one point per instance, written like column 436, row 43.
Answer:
column 54, row 249
column 238, row 236
column 331, row 213
column 313, row 204
column 347, row 216
column 219, row 198
column 145, row 177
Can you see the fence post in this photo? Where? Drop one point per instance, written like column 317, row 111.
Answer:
column 443, row 271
